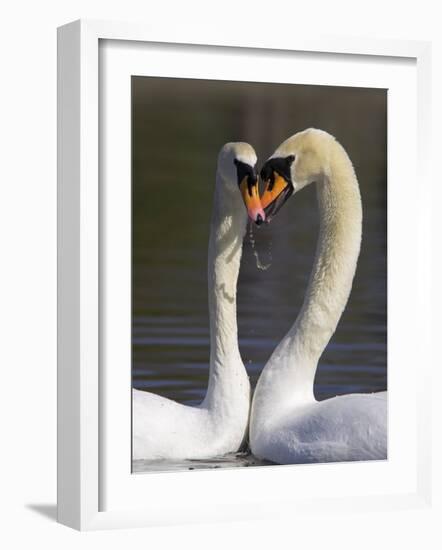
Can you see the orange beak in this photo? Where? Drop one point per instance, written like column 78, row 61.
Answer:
column 277, row 191
column 250, row 195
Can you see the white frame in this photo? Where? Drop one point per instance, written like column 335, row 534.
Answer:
column 78, row 265
column 119, row 61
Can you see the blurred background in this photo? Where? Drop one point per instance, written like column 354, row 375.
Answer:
column 178, row 127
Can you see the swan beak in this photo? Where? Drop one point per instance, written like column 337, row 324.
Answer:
column 250, row 195
column 277, row 191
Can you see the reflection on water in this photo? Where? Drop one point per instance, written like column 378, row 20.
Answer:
column 178, row 128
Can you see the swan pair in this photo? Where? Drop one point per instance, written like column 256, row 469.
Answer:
column 287, row 424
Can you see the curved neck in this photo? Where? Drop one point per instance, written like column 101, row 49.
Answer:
column 292, row 367
column 228, row 227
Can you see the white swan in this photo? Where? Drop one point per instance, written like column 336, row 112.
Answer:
column 287, row 424
column 165, row 429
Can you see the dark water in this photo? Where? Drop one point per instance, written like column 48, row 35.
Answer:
column 178, row 128
column 230, row 460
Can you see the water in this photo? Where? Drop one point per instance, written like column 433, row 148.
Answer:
column 252, row 241
column 230, row 460
column 178, row 129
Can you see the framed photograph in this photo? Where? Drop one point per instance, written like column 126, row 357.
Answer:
column 234, row 255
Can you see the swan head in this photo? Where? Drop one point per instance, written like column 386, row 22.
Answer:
column 236, row 167
column 297, row 162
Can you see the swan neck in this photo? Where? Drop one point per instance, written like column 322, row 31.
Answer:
column 337, row 251
column 228, row 227
column 290, row 373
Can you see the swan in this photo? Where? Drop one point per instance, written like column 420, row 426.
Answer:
column 166, row 429
column 287, row 424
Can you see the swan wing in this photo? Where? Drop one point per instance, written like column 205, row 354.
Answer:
column 345, row 428
column 163, row 428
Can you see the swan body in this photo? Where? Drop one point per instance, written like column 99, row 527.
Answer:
column 165, row 429
column 287, row 424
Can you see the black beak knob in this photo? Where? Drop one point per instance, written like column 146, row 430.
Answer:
column 259, row 219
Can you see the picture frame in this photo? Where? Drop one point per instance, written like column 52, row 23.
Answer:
column 87, row 462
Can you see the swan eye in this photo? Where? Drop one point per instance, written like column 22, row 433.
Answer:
column 244, row 170
column 279, row 166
